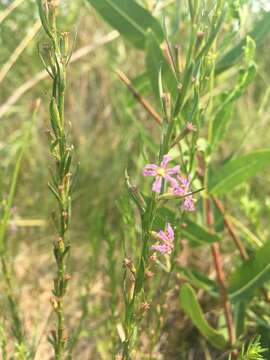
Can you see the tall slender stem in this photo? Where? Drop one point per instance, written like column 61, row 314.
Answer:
column 61, row 150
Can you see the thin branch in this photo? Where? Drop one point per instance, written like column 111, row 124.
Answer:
column 151, row 111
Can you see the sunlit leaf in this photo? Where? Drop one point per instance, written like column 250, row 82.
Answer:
column 238, row 170
column 129, row 18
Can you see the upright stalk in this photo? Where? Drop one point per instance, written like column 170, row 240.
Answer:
column 61, row 150
column 135, row 298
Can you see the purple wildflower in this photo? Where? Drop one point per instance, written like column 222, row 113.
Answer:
column 188, row 204
column 182, row 189
column 161, row 172
column 166, row 237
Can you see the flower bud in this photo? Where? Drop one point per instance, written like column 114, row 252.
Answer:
column 149, row 274
column 53, row 4
column 54, row 303
column 145, row 306
column 167, row 104
column 200, row 35
column 128, row 263
column 60, row 244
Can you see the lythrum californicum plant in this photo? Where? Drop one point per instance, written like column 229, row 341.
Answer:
column 58, row 55
column 169, row 185
column 175, row 265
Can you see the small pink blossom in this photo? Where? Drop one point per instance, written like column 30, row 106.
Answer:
column 182, row 189
column 191, row 127
column 166, row 238
column 161, row 172
column 188, row 204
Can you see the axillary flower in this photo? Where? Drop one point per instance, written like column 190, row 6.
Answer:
column 166, row 240
column 161, row 172
column 182, row 189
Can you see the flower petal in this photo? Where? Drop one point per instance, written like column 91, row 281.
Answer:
column 163, row 249
column 170, row 232
column 173, row 170
column 173, row 182
column 188, row 204
column 184, row 181
column 157, row 184
column 179, row 191
column 162, row 236
column 166, row 159
column 150, row 170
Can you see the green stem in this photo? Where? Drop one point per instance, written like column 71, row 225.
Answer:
column 61, row 180
column 146, row 224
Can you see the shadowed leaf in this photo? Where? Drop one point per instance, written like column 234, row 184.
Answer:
column 191, row 307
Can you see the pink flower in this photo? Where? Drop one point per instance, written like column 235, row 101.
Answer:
column 161, row 172
column 188, row 204
column 182, row 189
column 166, row 238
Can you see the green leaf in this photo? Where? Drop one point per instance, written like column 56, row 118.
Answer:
column 238, row 170
column 129, row 18
column 240, row 315
column 250, row 275
column 192, row 308
column 261, row 28
column 199, row 280
column 156, row 61
column 43, row 18
column 223, row 114
column 197, row 234
column 187, row 78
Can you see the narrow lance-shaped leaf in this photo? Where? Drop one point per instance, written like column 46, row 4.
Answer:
column 156, row 63
column 187, row 78
column 251, row 275
column 238, row 170
column 191, row 307
column 129, row 18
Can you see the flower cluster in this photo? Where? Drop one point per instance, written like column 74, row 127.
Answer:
column 178, row 186
column 166, row 238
